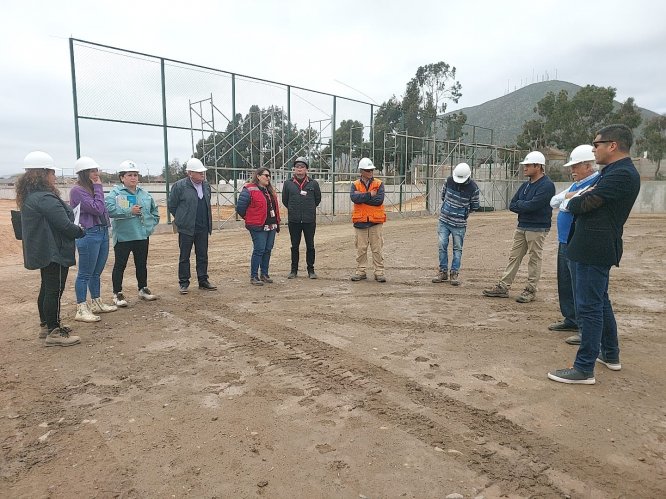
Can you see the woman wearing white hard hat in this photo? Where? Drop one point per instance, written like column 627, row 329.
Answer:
column 134, row 216
column 48, row 232
column 88, row 197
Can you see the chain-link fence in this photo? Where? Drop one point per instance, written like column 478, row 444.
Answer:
column 159, row 111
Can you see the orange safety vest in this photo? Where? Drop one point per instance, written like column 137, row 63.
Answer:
column 365, row 212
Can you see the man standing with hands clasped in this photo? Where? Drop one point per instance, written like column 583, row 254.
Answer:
column 595, row 244
column 368, row 216
column 189, row 203
column 301, row 195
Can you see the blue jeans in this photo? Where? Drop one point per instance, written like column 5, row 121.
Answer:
column 458, row 235
column 595, row 316
column 566, row 284
column 93, row 253
column 262, row 241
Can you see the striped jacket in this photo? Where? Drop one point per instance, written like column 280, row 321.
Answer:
column 457, row 201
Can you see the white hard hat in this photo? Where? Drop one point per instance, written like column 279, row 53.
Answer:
column 461, row 173
column 534, row 158
column 581, row 154
column 128, row 166
column 194, row 165
column 85, row 163
column 39, row 159
column 366, row 164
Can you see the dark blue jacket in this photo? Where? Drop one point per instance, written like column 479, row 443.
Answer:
column 532, row 203
column 600, row 214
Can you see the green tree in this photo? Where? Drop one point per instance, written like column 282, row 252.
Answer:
column 654, row 141
column 454, row 125
column 566, row 123
column 436, row 84
column 628, row 114
column 350, row 132
column 416, row 113
column 389, row 119
column 176, row 171
column 261, row 137
column 533, row 136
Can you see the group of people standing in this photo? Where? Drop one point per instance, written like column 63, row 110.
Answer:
column 590, row 223
column 592, row 213
column 51, row 229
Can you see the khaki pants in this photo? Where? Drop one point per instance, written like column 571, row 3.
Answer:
column 525, row 241
column 373, row 236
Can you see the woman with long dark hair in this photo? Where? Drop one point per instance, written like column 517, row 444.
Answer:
column 88, row 197
column 258, row 206
column 48, row 232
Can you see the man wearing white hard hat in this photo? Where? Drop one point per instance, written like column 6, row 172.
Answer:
column 584, row 172
column 189, row 204
column 460, row 196
column 532, row 204
column 368, row 217
column 595, row 245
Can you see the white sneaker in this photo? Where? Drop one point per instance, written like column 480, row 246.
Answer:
column 119, row 299
column 84, row 314
column 98, row 307
column 145, row 294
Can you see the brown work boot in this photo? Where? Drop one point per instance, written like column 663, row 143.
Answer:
column 499, row 290
column 442, row 276
column 59, row 337
column 526, row 296
column 454, row 278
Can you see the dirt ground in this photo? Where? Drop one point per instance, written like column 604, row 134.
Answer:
column 329, row 388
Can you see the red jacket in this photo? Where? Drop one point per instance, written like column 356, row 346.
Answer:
column 252, row 205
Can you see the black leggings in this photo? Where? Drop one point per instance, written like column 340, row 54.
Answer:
column 54, row 277
column 122, row 252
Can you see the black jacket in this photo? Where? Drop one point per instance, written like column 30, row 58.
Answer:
column 301, row 208
column 183, row 200
column 600, row 213
column 48, row 229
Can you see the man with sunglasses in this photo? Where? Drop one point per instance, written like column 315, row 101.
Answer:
column 595, row 244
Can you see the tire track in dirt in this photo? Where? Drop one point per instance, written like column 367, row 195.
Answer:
column 506, row 453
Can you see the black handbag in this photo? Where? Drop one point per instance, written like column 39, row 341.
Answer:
column 16, row 223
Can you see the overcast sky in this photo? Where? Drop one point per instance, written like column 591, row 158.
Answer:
column 363, row 50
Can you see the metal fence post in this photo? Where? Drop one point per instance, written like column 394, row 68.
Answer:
column 333, row 154
column 76, row 102
column 234, row 157
column 166, row 138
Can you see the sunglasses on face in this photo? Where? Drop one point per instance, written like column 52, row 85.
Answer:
column 267, row 175
column 597, row 142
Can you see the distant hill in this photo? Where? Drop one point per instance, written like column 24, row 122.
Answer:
column 506, row 114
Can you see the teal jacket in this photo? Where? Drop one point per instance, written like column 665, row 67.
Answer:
column 128, row 227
